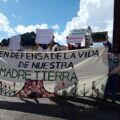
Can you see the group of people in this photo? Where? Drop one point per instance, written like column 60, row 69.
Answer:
column 40, row 46
column 52, row 46
column 114, row 70
column 113, row 60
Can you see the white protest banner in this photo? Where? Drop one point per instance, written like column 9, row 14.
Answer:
column 15, row 43
column 78, row 32
column 44, row 36
column 56, row 71
column 76, row 36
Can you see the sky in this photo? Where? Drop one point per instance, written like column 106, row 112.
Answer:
column 21, row 16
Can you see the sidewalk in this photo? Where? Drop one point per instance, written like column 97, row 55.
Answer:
column 57, row 109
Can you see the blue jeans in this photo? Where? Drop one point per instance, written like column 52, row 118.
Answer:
column 111, row 86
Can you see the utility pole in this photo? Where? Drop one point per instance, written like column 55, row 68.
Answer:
column 116, row 31
column 116, row 24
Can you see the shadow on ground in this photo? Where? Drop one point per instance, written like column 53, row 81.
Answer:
column 67, row 108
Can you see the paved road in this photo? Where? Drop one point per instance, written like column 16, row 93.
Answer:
column 57, row 109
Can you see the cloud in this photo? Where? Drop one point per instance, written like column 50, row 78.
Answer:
column 96, row 13
column 4, row 0
column 56, row 27
column 60, row 38
column 19, row 29
column 16, row 1
column 23, row 29
column 9, row 0
column 5, row 27
column 4, row 23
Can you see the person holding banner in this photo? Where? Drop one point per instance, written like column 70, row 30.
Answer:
column 53, row 45
column 114, row 69
column 44, row 39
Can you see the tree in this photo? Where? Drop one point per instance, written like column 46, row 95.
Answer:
column 28, row 39
column 5, row 42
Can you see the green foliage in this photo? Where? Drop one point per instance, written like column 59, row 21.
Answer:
column 5, row 42
column 27, row 39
